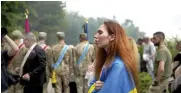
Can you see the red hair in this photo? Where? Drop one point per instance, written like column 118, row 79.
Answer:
column 121, row 47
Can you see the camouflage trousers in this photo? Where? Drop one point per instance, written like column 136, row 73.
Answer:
column 161, row 88
column 62, row 83
column 16, row 89
column 81, row 82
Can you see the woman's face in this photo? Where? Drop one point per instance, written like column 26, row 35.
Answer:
column 102, row 37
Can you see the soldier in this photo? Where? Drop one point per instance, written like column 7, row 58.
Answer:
column 72, row 83
column 15, row 63
column 42, row 36
column 63, row 69
column 72, row 78
column 85, row 55
column 162, row 68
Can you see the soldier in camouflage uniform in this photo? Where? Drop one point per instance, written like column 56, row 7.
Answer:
column 42, row 36
column 81, row 68
column 72, row 83
column 15, row 63
column 63, row 71
column 72, row 72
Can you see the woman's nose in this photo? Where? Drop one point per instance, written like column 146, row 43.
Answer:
column 95, row 36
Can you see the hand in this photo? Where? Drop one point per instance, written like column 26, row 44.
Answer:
column 90, row 68
column 17, row 69
column 26, row 76
column 99, row 85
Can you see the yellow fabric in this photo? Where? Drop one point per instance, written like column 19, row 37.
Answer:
column 54, row 77
column 133, row 90
column 91, row 89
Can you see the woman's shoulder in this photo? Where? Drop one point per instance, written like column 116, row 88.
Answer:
column 118, row 63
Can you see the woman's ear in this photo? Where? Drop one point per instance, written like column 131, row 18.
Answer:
column 111, row 37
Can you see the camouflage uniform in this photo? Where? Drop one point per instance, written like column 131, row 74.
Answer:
column 72, row 72
column 15, row 64
column 63, row 71
column 48, row 51
column 80, row 70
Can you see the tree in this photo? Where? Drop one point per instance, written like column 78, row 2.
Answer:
column 132, row 30
column 11, row 15
column 48, row 17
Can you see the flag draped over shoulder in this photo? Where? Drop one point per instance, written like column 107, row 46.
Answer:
column 116, row 79
column 27, row 28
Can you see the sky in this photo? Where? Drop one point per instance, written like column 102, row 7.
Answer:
column 149, row 15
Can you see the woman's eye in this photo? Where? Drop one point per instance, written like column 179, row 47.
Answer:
column 100, row 32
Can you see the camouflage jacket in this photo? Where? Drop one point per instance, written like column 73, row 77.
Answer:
column 49, row 58
column 15, row 63
column 87, row 60
column 65, row 66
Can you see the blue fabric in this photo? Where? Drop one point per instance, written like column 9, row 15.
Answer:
column 116, row 79
column 86, row 29
column 61, row 57
column 83, row 54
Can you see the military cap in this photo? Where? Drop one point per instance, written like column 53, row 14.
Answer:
column 16, row 34
column 61, row 35
column 83, row 35
column 42, row 35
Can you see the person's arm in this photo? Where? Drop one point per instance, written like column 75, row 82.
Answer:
column 49, row 61
column 161, row 58
column 12, row 45
column 42, row 60
column 70, row 59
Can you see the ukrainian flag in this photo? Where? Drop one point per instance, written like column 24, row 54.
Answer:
column 116, row 79
column 85, row 26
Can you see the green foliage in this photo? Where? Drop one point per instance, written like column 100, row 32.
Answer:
column 43, row 16
column 51, row 17
column 172, row 47
column 132, row 30
column 145, row 82
column 11, row 14
column 75, row 23
column 47, row 17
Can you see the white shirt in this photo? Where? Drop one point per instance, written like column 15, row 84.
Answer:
column 148, row 50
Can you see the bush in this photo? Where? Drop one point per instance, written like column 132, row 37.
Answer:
column 145, row 82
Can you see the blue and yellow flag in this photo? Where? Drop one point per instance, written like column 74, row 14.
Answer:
column 116, row 79
column 85, row 26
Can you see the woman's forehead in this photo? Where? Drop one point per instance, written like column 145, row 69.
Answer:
column 102, row 27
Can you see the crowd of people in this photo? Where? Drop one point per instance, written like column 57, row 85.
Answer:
column 110, row 65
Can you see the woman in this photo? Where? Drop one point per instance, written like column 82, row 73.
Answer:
column 115, row 67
